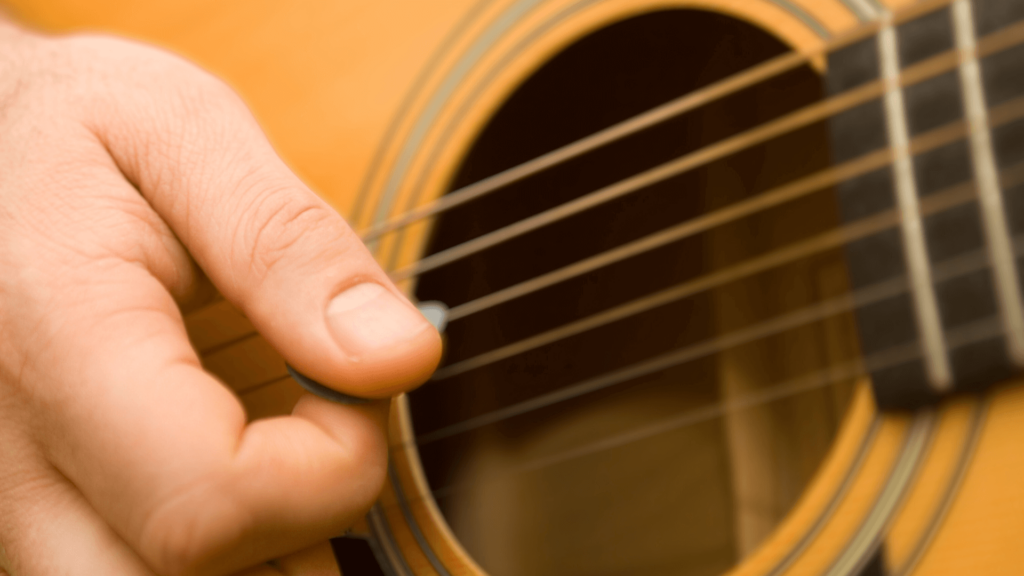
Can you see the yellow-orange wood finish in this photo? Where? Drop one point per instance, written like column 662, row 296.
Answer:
column 340, row 86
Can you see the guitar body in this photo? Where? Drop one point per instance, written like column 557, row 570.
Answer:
column 377, row 104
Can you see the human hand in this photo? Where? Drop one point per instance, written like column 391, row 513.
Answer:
column 118, row 453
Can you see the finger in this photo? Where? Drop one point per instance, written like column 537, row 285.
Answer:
column 162, row 452
column 47, row 528
column 271, row 245
column 159, row 448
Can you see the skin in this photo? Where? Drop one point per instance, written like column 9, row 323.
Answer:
column 133, row 185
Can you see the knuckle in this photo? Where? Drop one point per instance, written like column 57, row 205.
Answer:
column 137, row 96
column 174, row 549
column 278, row 225
column 205, row 99
column 364, row 449
column 180, row 537
column 371, row 456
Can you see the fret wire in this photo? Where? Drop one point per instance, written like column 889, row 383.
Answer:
column 722, row 88
column 912, row 75
column 970, row 333
column 915, row 252
column 940, row 201
column 990, row 197
column 862, row 9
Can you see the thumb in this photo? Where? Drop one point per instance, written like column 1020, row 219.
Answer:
column 270, row 245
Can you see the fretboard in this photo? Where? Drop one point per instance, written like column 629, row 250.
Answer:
column 959, row 326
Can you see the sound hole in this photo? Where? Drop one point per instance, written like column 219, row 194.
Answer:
column 680, row 470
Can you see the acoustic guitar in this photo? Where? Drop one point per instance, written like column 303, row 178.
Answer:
column 732, row 286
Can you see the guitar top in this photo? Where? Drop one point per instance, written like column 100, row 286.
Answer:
column 731, row 286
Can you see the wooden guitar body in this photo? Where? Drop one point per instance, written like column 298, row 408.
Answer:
column 377, row 105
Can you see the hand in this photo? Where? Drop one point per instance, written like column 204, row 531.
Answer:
column 119, row 164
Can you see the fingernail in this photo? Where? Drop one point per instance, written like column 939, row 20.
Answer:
column 367, row 317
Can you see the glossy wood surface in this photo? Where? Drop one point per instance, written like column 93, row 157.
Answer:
column 341, row 88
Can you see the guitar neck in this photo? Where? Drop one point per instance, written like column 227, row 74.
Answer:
column 952, row 331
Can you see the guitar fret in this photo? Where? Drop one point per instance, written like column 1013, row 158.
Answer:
column 865, row 10
column 986, row 75
column 925, row 307
column 990, row 197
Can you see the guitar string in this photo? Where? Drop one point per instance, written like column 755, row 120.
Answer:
column 834, row 374
column 612, row 315
column 773, row 197
column 822, row 110
column 997, row 235
column 768, row 199
column 912, row 235
column 835, row 238
column 991, row 44
column 718, row 90
column 946, row 270
column 951, row 197
column 762, row 133
column 1004, row 41
column 819, row 111
column 983, row 329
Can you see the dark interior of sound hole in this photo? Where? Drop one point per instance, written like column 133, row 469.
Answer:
column 564, row 488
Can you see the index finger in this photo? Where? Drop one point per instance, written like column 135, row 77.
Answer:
column 271, row 246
